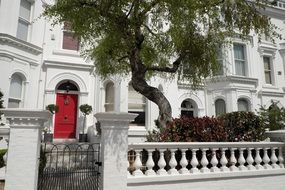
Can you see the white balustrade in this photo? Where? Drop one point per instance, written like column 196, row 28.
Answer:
column 138, row 164
column 161, row 163
column 192, row 158
column 150, row 163
column 183, row 162
column 233, row 160
column 194, row 162
column 258, row 159
column 249, row 159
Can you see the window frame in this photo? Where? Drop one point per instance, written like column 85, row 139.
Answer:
column 247, row 102
column 20, row 100
column 107, row 104
column 64, row 30
column 245, row 60
column 225, row 106
column 270, row 70
column 25, row 21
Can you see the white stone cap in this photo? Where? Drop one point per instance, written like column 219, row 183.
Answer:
column 11, row 113
column 115, row 116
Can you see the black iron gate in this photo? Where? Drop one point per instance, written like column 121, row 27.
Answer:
column 69, row 167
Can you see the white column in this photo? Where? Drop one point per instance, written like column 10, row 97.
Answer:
column 24, row 147
column 114, row 148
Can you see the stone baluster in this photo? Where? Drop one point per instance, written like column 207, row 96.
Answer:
column 241, row 160
column 173, row 163
column 183, row 162
column 150, row 163
column 249, row 159
column 233, row 160
column 138, row 164
column 214, row 161
column 280, row 158
column 204, row 162
column 258, row 159
column 224, row 160
column 161, row 163
column 273, row 159
column 194, row 162
column 266, row 159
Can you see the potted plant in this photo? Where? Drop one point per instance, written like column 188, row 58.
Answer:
column 48, row 136
column 86, row 110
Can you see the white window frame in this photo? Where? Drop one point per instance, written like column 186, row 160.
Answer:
column 246, row 100
column 21, row 99
column 216, row 107
column 270, row 70
column 246, row 69
column 28, row 22
column 106, row 104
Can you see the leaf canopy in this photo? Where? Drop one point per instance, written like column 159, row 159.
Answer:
column 190, row 29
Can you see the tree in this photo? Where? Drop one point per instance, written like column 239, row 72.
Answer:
column 148, row 37
column 273, row 116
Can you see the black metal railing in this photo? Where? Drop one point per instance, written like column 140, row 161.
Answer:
column 69, row 167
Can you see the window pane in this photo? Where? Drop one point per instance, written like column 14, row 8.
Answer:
column 22, row 31
column 69, row 41
column 220, row 107
column 25, row 9
column 13, row 103
column 267, row 77
column 136, row 100
column 16, row 87
column 243, row 105
column 239, row 51
column 240, row 67
column 109, row 97
column 266, row 61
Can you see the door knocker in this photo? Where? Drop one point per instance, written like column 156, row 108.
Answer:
column 66, row 101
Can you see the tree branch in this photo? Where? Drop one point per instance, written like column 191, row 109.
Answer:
column 172, row 69
column 130, row 9
column 150, row 31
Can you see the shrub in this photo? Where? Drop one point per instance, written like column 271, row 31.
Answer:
column 273, row 116
column 230, row 127
column 206, row 129
column 243, row 126
column 2, row 153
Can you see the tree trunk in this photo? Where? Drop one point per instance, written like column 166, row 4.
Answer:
column 153, row 94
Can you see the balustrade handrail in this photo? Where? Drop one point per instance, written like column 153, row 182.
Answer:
column 173, row 158
column 183, row 145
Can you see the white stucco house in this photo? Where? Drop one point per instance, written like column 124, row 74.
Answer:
column 40, row 64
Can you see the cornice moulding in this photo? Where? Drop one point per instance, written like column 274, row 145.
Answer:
column 25, row 46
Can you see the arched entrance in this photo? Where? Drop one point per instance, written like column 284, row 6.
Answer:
column 66, row 117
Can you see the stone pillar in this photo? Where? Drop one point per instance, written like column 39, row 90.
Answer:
column 114, row 147
column 277, row 136
column 24, row 147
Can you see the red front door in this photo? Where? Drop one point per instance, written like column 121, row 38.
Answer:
column 65, row 118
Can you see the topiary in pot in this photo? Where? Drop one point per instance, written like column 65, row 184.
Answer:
column 86, row 110
column 48, row 136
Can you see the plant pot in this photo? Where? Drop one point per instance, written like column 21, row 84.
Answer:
column 83, row 138
column 48, row 137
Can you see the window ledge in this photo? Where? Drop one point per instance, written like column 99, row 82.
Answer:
column 64, row 52
column 270, row 86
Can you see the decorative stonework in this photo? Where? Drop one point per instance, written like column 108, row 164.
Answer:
column 25, row 46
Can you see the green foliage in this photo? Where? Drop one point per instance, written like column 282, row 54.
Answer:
column 243, row 126
column 43, row 161
column 52, row 108
column 192, row 29
column 1, row 101
column 2, row 153
column 273, row 116
column 85, row 109
column 185, row 129
column 230, row 127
